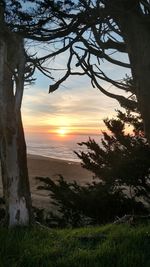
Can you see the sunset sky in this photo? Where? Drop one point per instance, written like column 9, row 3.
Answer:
column 75, row 108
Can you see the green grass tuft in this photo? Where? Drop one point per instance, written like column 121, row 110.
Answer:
column 110, row 245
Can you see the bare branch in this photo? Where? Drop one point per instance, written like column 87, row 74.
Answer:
column 55, row 86
column 100, row 54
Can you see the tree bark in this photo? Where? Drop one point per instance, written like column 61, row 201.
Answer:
column 12, row 141
column 136, row 32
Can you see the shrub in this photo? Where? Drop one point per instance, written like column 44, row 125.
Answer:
column 121, row 166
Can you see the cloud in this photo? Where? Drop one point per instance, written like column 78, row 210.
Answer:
column 75, row 106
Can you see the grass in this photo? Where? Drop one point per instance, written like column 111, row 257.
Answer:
column 110, row 245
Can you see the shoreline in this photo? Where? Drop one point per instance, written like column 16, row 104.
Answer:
column 51, row 158
column 47, row 166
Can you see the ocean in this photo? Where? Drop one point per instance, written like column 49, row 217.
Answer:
column 58, row 147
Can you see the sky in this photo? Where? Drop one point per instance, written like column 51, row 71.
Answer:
column 75, row 108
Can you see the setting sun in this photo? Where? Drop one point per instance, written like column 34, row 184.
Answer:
column 62, row 131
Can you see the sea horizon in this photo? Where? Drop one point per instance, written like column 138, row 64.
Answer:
column 57, row 147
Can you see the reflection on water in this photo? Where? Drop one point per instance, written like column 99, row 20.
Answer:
column 54, row 146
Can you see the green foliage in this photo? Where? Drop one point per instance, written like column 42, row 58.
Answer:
column 110, row 245
column 121, row 185
column 94, row 203
column 70, row 200
column 122, row 160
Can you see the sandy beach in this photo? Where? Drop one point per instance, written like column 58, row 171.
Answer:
column 49, row 167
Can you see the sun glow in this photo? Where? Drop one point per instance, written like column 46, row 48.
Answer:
column 62, row 131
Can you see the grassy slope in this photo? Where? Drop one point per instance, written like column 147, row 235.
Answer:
column 113, row 246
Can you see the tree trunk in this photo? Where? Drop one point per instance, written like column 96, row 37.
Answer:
column 136, row 31
column 12, row 141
